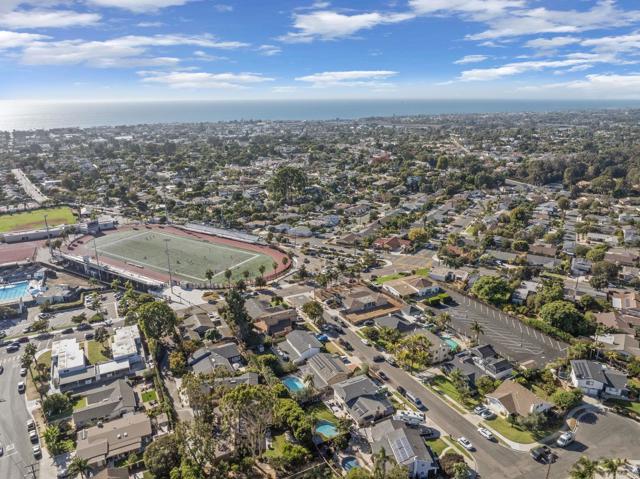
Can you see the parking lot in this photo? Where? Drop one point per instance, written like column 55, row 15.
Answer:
column 509, row 336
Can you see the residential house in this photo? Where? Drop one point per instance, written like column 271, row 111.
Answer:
column 411, row 286
column 327, row 370
column 625, row 300
column 362, row 400
column 104, row 444
column 486, row 358
column 392, row 243
column 595, row 379
column 622, row 256
column 405, row 446
column 440, row 350
column 513, row 399
column 199, row 323
column 300, row 345
column 271, row 320
column 625, row 345
column 394, row 321
column 206, row 360
column 526, row 289
column 126, row 344
column 106, row 402
column 441, row 274
column 113, row 473
column 580, row 266
column 362, row 299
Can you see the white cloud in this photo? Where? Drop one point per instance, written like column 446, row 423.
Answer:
column 28, row 19
column 18, row 40
column 132, row 50
column 471, row 59
column 517, row 68
column 269, row 50
column 551, row 43
column 479, row 9
column 595, row 86
column 329, row 25
column 140, row 6
column 618, row 44
column 222, row 8
column 204, row 80
column 150, row 24
column 348, row 78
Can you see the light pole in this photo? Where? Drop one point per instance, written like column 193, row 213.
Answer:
column 166, row 249
column 46, row 224
column 95, row 249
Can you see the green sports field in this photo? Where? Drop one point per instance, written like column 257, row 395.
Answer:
column 33, row 220
column 190, row 257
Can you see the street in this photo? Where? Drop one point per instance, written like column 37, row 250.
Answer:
column 18, row 454
column 494, row 460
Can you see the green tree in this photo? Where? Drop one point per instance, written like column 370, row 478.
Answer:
column 477, row 329
column 448, row 462
column 227, row 275
column 157, row 320
column 314, row 310
column 584, row 468
column 566, row 400
column 564, row 316
column 53, row 440
column 236, row 314
column 79, row 467
column 414, row 350
column 611, row 466
column 55, row 404
column 209, row 274
column 161, row 456
column 492, row 289
column 286, row 182
column 486, row 385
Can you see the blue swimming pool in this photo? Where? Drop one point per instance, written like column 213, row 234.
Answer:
column 452, row 344
column 327, row 429
column 13, row 291
column 293, row 384
column 349, row 463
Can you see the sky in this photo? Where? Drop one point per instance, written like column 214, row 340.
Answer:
column 280, row 49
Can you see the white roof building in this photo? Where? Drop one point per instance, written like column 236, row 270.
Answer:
column 67, row 355
column 126, row 343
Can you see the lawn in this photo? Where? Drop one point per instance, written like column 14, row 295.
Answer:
column 447, row 387
column 31, row 220
column 321, row 413
column 424, row 272
column 149, row 395
column 332, row 348
column 389, row 277
column 278, row 445
column 79, row 403
column 437, row 445
column 95, row 352
column 628, row 405
column 43, row 362
column 510, row 431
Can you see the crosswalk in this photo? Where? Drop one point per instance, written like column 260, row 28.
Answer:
column 14, row 358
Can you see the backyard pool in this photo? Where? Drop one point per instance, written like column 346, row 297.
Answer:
column 349, row 463
column 13, row 291
column 327, row 429
column 293, row 384
column 453, row 346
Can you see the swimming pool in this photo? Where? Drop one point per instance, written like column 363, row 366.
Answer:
column 13, row 291
column 349, row 463
column 452, row 344
column 293, row 384
column 327, row 429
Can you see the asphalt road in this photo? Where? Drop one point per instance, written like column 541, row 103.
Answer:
column 509, row 336
column 605, row 437
column 14, row 438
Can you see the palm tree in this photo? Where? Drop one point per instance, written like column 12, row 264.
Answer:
column 380, row 460
column 227, row 274
column 443, row 320
column 477, row 329
column 27, row 360
column 457, row 378
column 209, row 275
column 584, row 468
column 51, row 436
column 611, row 466
column 79, row 466
column 262, row 268
column 309, row 381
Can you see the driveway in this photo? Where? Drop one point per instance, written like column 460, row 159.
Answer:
column 509, row 336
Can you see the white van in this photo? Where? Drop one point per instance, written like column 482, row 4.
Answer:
column 415, row 400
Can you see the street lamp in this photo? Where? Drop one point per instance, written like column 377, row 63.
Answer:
column 166, row 249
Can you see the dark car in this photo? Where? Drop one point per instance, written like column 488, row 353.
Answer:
column 83, row 326
column 13, row 347
column 378, row 358
column 67, row 331
column 383, row 376
column 402, row 390
column 542, row 454
column 23, row 339
column 346, row 345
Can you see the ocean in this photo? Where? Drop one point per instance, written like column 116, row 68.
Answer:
column 15, row 115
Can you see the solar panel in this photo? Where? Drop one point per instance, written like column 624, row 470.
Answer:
column 401, row 449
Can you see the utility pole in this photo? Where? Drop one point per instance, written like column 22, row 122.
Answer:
column 32, row 472
column 166, row 249
column 46, row 224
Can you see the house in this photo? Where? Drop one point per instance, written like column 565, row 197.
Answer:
column 521, row 294
column 394, row 321
column 206, row 360
column 543, row 249
column 271, row 320
column 405, row 446
column 622, row 256
column 362, row 299
column 105, row 403
column 440, row 350
column 126, row 344
column 229, row 351
column 362, row 400
column 300, row 345
column 104, row 444
column 113, row 473
column 511, row 399
column 463, row 362
column 625, row 300
column 494, row 365
column 327, row 370
column 580, row 266
column 199, row 323
column 441, row 274
column 233, row 381
column 411, row 286
column 595, row 379
column 626, row 345
column 392, row 243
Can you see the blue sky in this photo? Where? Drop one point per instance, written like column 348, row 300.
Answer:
column 228, row 49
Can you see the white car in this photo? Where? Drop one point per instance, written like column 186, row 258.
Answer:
column 23, row 371
column 21, row 387
column 36, row 451
column 485, row 433
column 365, row 341
column 565, row 439
column 464, row 442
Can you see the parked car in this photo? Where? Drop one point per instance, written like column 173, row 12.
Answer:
column 67, row 331
column 1, row 450
column 565, row 439
column 383, row 376
column 3, row 334
column 36, row 451
column 21, row 387
column 31, row 424
column 542, row 454
column 464, row 442
column 479, row 409
column 402, row 390
column 88, row 335
column 13, row 347
column 23, row 339
column 23, row 371
column 1, row 368
column 33, row 435
column 365, row 341
column 487, row 414
column 378, row 358
column 44, row 315
column 484, row 432
column 83, row 326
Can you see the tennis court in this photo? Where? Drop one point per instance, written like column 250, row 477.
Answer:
column 190, row 257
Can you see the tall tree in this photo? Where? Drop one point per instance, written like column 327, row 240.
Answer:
column 477, row 330
column 414, row 350
column 157, row 319
column 236, row 314
column 79, row 467
column 314, row 310
column 584, row 468
column 611, row 466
